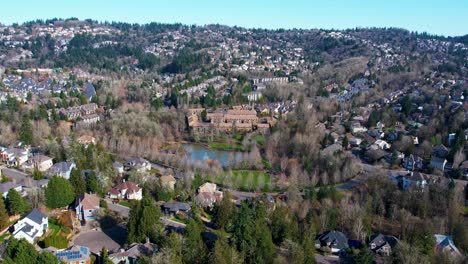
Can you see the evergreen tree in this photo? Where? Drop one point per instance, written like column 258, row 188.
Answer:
column 92, row 185
column 77, row 182
column 308, row 243
column 223, row 212
column 23, row 252
column 26, row 133
column 365, row 256
column 59, row 193
column 144, row 221
column 15, row 203
column 105, row 257
column 281, row 225
column 194, row 248
column 225, row 253
column 4, row 219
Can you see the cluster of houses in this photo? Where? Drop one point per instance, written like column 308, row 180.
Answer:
column 38, row 82
column 336, row 242
column 84, row 114
column 227, row 120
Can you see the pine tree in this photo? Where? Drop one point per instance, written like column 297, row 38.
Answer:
column 77, row 182
column 92, row 184
column 223, row 212
column 26, row 133
column 144, row 221
column 3, row 214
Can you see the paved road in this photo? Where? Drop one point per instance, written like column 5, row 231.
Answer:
column 14, row 174
column 119, row 209
column 172, row 223
column 326, row 259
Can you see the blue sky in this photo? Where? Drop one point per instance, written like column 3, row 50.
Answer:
column 443, row 17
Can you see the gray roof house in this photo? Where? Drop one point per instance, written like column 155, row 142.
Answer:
column 438, row 163
column 382, row 244
column 173, row 208
column 7, row 186
column 89, row 91
column 334, row 241
column 62, row 169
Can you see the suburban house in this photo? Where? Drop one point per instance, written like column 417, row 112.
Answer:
column 380, row 144
column 438, row 163
column 138, row 164
column 7, row 186
column 174, row 208
column 413, row 162
column 133, row 253
column 334, row 241
column 440, row 151
column 382, row 244
column 413, row 179
column 62, row 169
column 73, row 255
column 445, row 244
column 357, row 128
column 168, row 181
column 86, row 140
column 208, row 195
column 40, row 162
column 32, row 226
column 14, row 156
column 118, row 167
column 86, row 206
column 126, row 190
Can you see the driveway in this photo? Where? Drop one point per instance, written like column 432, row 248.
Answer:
column 119, row 209
column 95, row 241
column 15, row 175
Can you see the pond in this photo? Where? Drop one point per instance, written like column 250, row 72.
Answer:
column 226, row 158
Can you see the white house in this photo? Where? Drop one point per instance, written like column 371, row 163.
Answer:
column 126, row 190
column 31, row 226
column 380, row 144
column 14, row 156
column 253, row 96
column 357, row 128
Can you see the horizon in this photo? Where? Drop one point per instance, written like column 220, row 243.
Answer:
column 416, row 16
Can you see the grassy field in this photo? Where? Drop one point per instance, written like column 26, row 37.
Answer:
column 126, row 204
column 225, row 146
column 245, row 180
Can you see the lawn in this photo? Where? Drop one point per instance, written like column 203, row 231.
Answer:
column 245, row 180
column 58, row 237
column 225, row 146
column 260, row 139
column 126, row 204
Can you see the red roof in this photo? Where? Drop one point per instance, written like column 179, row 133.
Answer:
column 131, row 188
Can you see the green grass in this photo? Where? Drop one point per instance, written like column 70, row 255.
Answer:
column 245, row 180
column 260, row 139
column 466, row 209
column 225, row 146
column 126, row 204
column 2, row 237
column 56, row 228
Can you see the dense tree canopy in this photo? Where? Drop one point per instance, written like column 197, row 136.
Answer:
column 59, row 193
